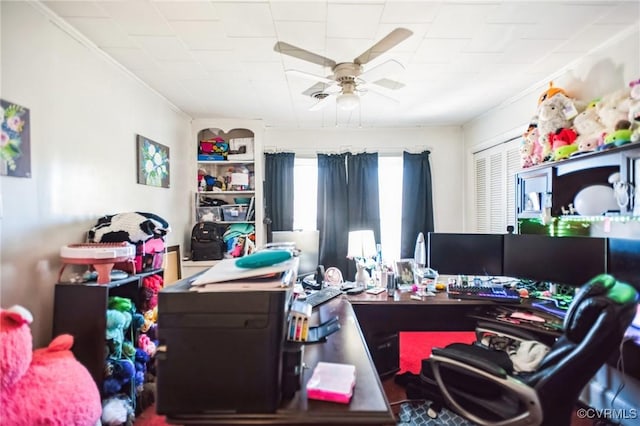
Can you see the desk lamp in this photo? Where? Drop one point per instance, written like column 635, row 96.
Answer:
column 362, row 246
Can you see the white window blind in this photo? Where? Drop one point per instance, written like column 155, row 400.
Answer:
column 495, row 170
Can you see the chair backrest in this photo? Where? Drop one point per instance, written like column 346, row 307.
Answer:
column 593, row 329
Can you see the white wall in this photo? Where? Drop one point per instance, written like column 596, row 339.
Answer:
column 444, row 143
column 85, row 114
column 607, row 68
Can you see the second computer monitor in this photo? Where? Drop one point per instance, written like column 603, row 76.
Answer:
column 468, row 254
column 562, row 260
column 308, row 242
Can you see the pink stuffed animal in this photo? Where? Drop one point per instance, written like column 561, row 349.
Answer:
column 46, row 387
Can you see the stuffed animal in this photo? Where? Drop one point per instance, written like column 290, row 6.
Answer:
column 620, row 136
column 529, row 148
column 562, row 143
column 554, row 113
column 47, row 386
column 612, row 108
column 134, row 227
column 634, row 110
column 589, row 129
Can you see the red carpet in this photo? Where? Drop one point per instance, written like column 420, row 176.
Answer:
column 416, row 346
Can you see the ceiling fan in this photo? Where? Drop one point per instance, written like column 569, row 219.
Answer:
column 348, row 79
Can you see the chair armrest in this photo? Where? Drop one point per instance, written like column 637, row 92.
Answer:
column 513, row 332
column 526, row 394
column 463, row 357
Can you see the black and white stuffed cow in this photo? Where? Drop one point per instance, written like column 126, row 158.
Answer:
column 134, row 227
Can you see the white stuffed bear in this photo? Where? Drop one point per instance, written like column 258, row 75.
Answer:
column 612, row 108
column 589, row 128
column 554, row 113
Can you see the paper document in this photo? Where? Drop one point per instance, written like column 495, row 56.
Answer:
column 226, row 271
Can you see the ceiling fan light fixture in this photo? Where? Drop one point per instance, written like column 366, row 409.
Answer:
column 348, row 101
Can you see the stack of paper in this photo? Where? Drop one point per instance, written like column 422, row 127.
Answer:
column 226, row 276
column 332, row 382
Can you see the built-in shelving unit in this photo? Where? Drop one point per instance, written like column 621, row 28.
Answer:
column 229, row 171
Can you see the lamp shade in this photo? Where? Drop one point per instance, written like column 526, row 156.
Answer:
column 348, row 101
column 362, row 244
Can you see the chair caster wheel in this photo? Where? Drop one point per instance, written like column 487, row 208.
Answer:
column 433, row 411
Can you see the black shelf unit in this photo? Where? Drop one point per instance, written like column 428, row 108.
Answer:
column 80, row 310
column 556, row 184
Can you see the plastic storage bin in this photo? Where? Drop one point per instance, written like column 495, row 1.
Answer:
column 234, row 212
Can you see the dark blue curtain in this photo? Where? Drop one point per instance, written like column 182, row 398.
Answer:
column 364, row 197
column 278, row 190
column 417, row 200
column 333, row 211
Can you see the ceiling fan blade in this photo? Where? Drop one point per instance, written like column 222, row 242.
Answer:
column 310, row 76
column 381, row 91
column 392, row 39
column 322, row 103
column 386, row 68
column 389, row 84
column 305, row 55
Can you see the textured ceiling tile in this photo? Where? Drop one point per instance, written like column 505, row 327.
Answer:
column 164, row 48
column 353, row 21
column 409, row 12
column 84, row 9
column 246, row 19
column 201, row 35
column 137, row 17
column 307, row 11
column 187, row 10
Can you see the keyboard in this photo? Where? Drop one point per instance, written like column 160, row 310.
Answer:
column 497, row 294
column 323, row 295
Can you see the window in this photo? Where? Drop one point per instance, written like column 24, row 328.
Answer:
column 305, row 193
column 390, row 185
column 495, row 192
column 305, row 175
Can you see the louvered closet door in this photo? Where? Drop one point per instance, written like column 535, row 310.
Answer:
column 495, row 170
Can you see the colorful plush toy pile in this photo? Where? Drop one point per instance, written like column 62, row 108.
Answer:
column 564, row 126
column 44, row 387
column 131, row 343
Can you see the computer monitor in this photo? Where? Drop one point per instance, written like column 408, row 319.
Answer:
column 308, row 242
column 468, row 254
column 561, row 260
column 623, row 260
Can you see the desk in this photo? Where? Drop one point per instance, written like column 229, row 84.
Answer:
column 368, row 405
column 382, row 317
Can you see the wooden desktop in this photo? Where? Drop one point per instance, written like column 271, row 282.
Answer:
column 368, row 406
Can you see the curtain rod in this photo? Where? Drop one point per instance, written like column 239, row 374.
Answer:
column 348, row 149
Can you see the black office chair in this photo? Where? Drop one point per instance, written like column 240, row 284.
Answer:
column 479, row 383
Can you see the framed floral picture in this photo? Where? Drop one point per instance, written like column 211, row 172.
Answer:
column 153, row 163
column 15, row 140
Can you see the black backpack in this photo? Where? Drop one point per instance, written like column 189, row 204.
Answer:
column 206, row 241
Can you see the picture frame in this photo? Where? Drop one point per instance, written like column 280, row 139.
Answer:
column 152, row 163
column 15, row 145
column 404, row 272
